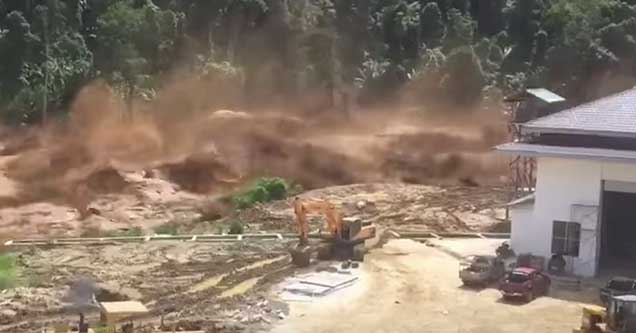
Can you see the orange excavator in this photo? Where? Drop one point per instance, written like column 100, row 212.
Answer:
column 345, row 237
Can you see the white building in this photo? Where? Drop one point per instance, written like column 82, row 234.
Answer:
column 584, row 205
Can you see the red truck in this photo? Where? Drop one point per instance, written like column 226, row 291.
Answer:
column 525, row 282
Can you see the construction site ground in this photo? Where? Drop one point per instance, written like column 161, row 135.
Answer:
column 96, row 176
column 406, row 286
column 403, row 286
column 204, row 284
column 195, row 285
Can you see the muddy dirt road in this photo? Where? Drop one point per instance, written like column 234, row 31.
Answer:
column 409, row 287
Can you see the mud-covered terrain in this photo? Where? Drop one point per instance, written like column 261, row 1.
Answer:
column 220, row 285
column 97, row 175
column 199, row 285
column 394, row 205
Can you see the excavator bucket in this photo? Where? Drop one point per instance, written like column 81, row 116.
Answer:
column 301, row 255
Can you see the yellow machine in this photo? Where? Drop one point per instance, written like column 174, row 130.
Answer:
column 345, row 238
column 592, row 317
column 618, row 317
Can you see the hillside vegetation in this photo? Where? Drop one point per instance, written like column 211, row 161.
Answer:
column 311, row 53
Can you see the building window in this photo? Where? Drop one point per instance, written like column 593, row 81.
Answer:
column 566, row 237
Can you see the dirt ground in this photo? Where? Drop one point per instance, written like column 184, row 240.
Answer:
column 95, row 175
column 409, row 287
column 199, row 284
column 401, row 206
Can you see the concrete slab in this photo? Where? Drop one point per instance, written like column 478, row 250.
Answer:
column 287, row 296
column 327, row 279
column 307, row 289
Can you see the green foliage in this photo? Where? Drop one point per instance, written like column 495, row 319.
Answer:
column 619, row 38
column 572, row 20
column 432, row 26
column 132, row 232
column 464, row 78
column 44, row 48
column 524, row 17
column 372, row 74
column 460, row 30
column 236, row 228
column 266, row 50
column 490, row 16
column 540, row 48
column 224, row 71
column 7, row 271
column 132, row 41
column 170, row 228
column 431, row 64
column 102, row 329
column 263, row 190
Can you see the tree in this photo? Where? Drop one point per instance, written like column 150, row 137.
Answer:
column 429, row 73
column 460, row 30
column 18, row 45
column 444, row 6
column 523, row 18
column 568, row 21
column 463, row 6
column 618, row 11
column 133, row 42
column 238, row 17
column 490, row 18
column 617, row 38
column 464, row 78
column 401, row 27
column 352, row 19
column 118, row 55
column 540, row 48
column 431, row 25
column 282, row 47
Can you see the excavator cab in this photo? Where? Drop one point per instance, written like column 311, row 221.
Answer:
column 621, row 314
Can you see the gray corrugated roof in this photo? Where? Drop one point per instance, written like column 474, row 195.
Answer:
column 545, row 95
column 527, row 149
column 614, row 115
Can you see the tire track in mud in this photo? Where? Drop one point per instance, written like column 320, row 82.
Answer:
column 199, row 307
column 193, row 303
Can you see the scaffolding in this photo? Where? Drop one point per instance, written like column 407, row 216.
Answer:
column 522, row 169
column 520, row 108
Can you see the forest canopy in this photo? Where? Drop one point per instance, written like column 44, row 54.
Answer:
column 450, row 51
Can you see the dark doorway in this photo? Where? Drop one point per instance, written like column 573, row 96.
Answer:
column 618, row 231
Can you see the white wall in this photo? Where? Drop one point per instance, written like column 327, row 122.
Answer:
column 569, row 190
column 521, row 227
column 619, row 186
column 561, row 183
column 620, row 172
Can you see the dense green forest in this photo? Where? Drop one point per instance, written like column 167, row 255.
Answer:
column 455, row 51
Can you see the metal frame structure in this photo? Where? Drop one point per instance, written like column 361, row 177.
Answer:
column 522, row 169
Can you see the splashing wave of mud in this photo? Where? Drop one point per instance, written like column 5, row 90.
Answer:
column 205, row 151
